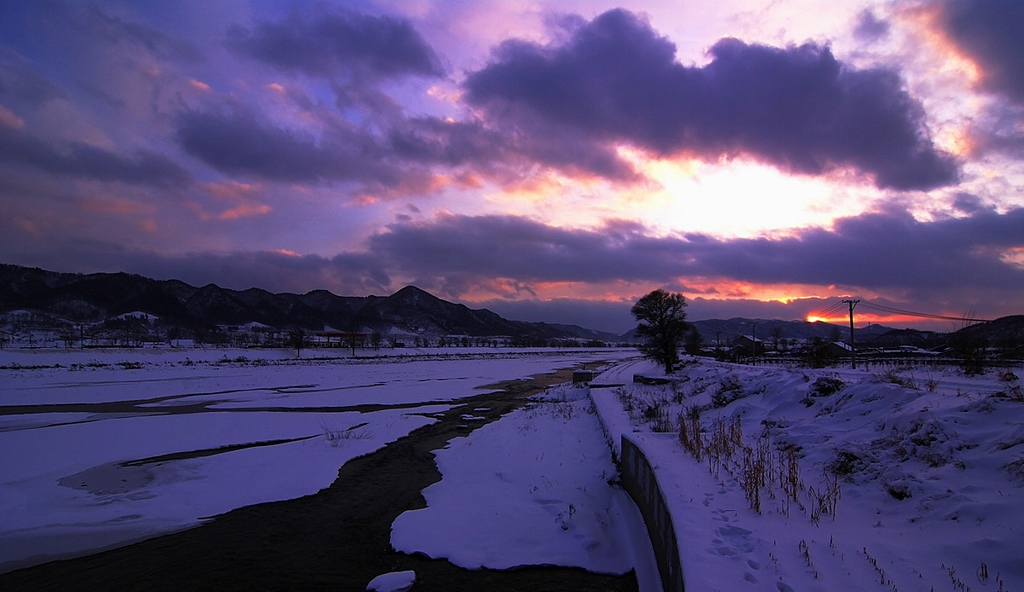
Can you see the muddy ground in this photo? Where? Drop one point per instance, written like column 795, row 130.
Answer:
column 336, row 539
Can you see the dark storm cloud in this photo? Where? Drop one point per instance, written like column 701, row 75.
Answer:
column 612, row 317
column 882, row 250
column 354, row 273
column 345, row 43
column 885, row 250
column 454, row 255
column 236, row 141
column 268, row 270
column 433, row 140
column 992, row 33
column 617, row 81
column 515, row 247
column 144, row 167
column 346, row 273
column 969, row 204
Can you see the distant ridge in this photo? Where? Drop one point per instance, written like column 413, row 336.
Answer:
column 769, row 329
column 97, row 297
column 1005, row 330
column 83, row 299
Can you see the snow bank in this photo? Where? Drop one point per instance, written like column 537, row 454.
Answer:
column 396, row 581
column 889, row 480
column 529, row 489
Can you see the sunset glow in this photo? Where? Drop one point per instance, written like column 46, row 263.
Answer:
column 546, row 160
column 739, row 199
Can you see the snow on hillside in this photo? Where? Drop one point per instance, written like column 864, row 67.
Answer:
column 879, row 479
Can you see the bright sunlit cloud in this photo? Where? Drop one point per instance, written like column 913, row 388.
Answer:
column 737, row 199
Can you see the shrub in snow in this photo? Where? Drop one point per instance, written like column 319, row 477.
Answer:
column 334, row 437
column 897, row 483
column 1012, row 392
column 826, row 385
column 893, row 375
column 729, row 390
column 924, row 439
column 678, row 391
column 900, row 490
column 1016, row 469
column 689, row 431
column 846, row 464
column 659, row 419
column 823, row 386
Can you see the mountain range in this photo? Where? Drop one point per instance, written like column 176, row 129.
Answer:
column 95, row 298
column 91, row 299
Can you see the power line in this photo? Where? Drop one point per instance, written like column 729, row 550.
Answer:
column 893, row 310
column 836, row 308
column 825, row 313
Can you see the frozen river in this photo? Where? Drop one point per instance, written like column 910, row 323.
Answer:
column 104, row 447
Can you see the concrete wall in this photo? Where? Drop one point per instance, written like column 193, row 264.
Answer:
column 639, row 482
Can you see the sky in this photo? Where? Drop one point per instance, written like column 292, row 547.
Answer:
column 550, row 161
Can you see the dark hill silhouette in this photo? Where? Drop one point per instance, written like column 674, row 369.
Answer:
column 95, row 298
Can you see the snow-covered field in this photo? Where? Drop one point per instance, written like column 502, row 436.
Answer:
column 832, row 479
column 875, row 479
column 134, row 443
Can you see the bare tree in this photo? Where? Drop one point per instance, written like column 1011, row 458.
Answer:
column 694, row 341
column 662, row 317
column 297, row 339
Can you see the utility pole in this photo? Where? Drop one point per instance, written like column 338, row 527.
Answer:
column 853, row 346
column 753, row 338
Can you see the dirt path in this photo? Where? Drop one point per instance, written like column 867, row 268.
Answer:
column 336, row 539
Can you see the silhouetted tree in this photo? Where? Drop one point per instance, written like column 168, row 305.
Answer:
column 354, row 340
column 297, row 339
column 68, row 334
column 662, row 317
column 969, row 345
column 694, row 341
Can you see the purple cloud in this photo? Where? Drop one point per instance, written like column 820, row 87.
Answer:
column 990, row 32
column 869, row 27
column 882, row 251
column 616, row 81
column 344, row 43
column 23, row 85
column 942, row 265
column 237, row 141
column 873, row 251
column 432, row 140
column 91, row 21
column 144, row 167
